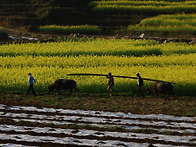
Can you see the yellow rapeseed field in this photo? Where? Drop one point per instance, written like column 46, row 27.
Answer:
column 173, row 62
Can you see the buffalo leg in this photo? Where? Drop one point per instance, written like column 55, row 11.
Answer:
column 77, row 91
column 70, row 92
column 58, row 91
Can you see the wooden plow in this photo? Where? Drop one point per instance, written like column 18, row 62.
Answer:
column 89, row 74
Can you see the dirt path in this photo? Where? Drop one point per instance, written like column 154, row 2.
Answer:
column 24, row 36
column 20, row 35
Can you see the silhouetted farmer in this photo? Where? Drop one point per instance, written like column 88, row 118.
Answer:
column 139, row 84
column 110, row 83
column 31, row 81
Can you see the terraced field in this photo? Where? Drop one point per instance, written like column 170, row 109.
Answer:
column 25, row 125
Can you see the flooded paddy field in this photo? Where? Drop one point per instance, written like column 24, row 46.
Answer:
column 33, row 126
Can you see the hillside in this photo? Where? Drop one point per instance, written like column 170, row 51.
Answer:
column 112, row 17
column 70, row 12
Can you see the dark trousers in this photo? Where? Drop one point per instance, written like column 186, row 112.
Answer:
column 139, row 92
column 31, row 88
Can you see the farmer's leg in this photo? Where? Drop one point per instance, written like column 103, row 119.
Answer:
column 110, row 89
column 138, row 90
column 29, row 88
column 33, row 90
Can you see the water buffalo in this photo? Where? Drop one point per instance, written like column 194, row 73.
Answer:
column 162, row 88
column 63, row 84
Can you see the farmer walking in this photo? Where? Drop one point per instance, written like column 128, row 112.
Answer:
column 139, row 84
column 110, row 83
column 31, row 81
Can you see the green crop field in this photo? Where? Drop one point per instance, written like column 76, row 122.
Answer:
column 144, row 6
column 84, row 29
column 173, row 62
column 177, row 24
